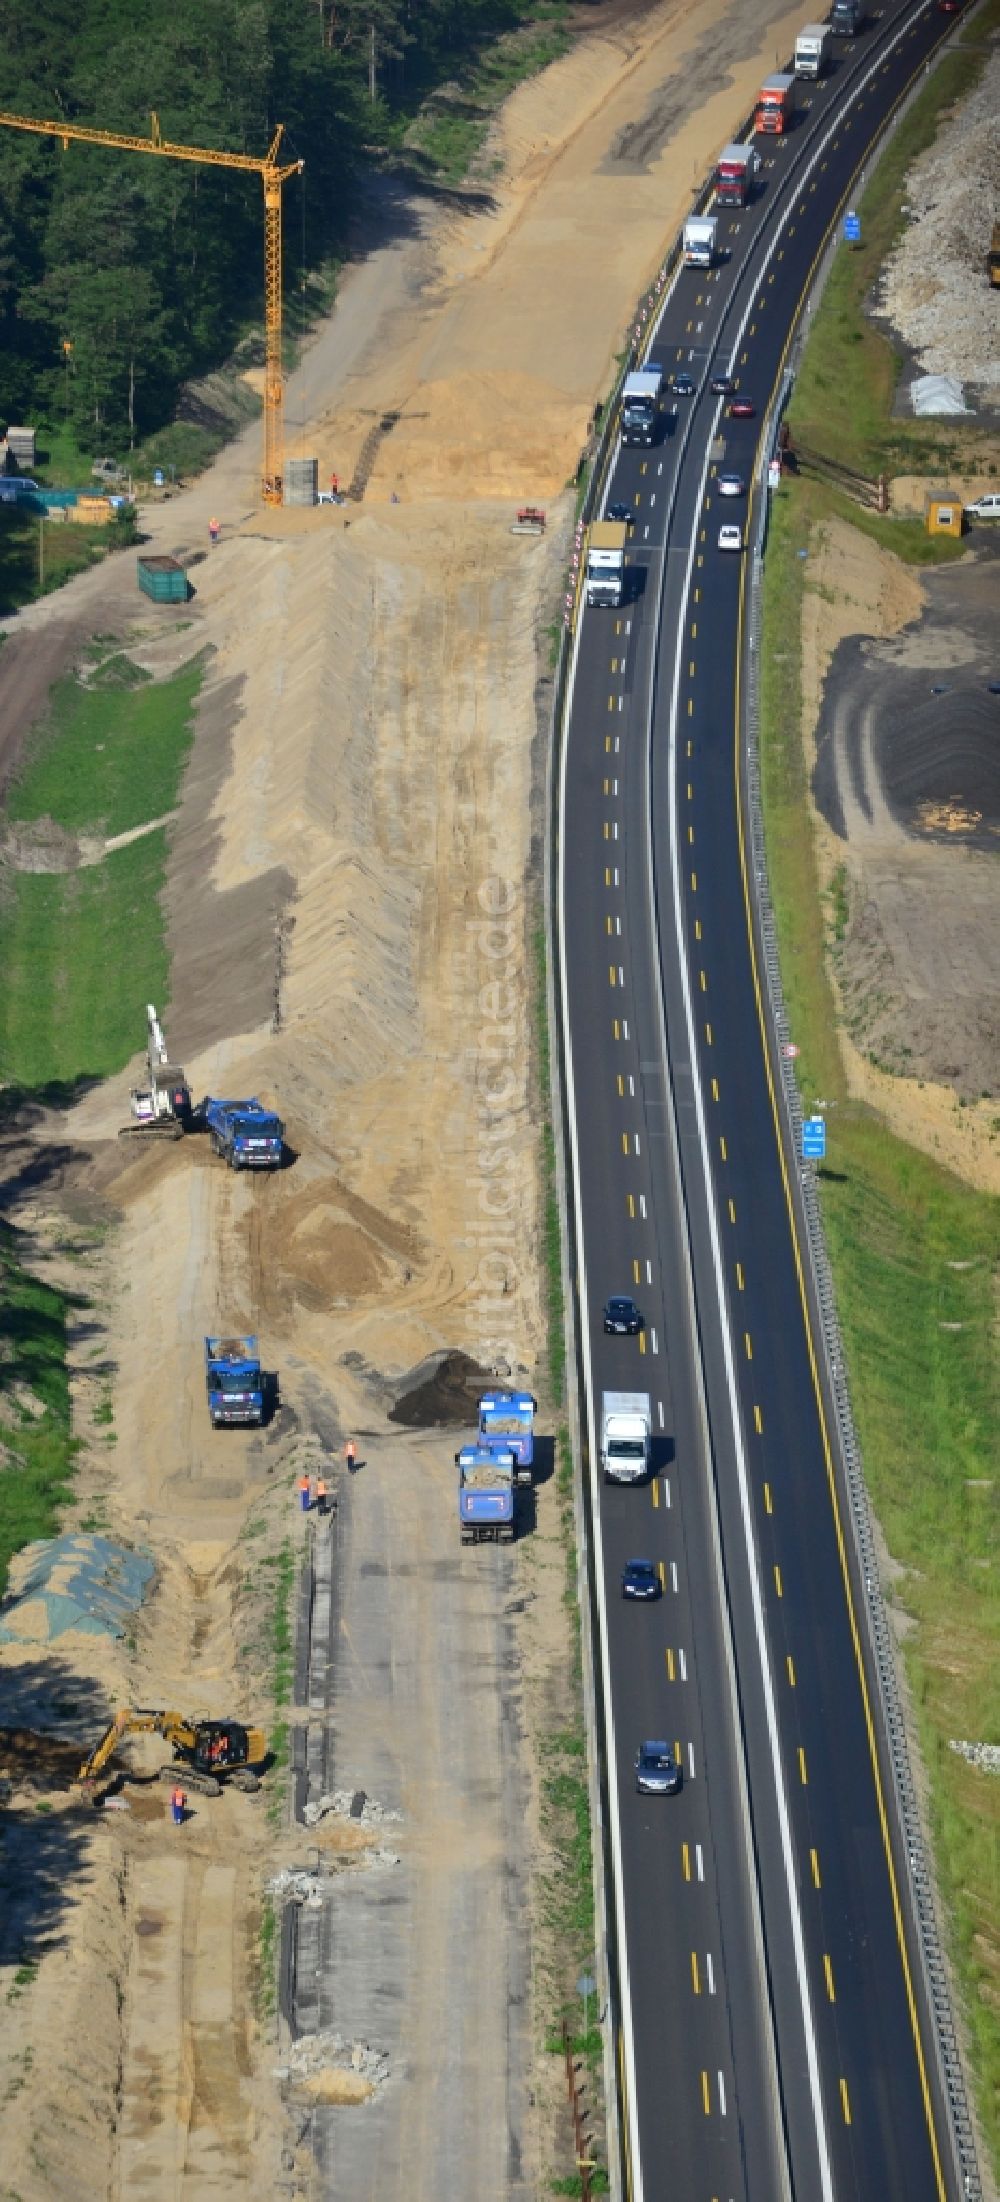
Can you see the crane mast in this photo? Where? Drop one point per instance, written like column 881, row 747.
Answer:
column 274, row 175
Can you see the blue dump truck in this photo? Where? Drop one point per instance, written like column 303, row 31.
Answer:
column 507, row 1423
column 485, row 1495
column 233, row 1381
column 250, row 1136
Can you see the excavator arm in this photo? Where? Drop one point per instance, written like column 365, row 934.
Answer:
column 138, row 1720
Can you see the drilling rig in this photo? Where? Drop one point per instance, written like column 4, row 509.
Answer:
column 163, row 1105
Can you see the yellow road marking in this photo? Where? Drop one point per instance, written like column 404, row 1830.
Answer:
column 686, row 1860
column 740, row 1280
column 845, row 2102
column 828, row 1969
column 722, row 1150
column 768, row 1508
column 748, row 1345
column 790, row 1664
column 814, row 1863
column 777, row 1580
column 695, row 1981
column 706, row 2100
column 671, row 1676
column 803, row 1775
column 758, row 1422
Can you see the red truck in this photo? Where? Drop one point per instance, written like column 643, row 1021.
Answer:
column 735, row 170
column 776, row 105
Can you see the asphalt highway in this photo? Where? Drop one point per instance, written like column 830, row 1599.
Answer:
column 772, row 2031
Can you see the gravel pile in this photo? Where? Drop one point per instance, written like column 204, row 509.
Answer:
column 984, row 1755
column 341, row 1803
column 936, row 291
column 330, row 2052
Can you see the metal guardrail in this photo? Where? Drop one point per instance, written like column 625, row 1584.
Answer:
column 883, row 1659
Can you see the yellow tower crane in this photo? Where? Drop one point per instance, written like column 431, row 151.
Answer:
column 273, row 176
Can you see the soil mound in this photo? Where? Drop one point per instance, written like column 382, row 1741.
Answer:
column 31, row 1761
column 445, row 1391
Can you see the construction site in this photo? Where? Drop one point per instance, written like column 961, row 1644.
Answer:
column 336, row 1967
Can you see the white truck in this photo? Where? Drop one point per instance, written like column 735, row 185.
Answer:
column 605, row 578
column 641, row 392
column 812, row 48
column 626, row 1424
column 700, row 235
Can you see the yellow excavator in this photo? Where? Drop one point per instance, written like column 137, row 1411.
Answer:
column 206, row 1752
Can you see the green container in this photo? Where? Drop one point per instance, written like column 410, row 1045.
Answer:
column 162, row 579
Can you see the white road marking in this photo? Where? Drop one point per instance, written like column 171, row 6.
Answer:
column 699, row 1862
column 652, row 1341
column 722, row 2093
column 673, row 1586
column 642, row 1205
column 659, row 1403
column 691, row 1760
column 666, row 1490
column 710, row 1972
column 649, row 1280
column 682, row 1664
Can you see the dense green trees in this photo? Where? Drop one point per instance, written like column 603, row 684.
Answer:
column 119, row 275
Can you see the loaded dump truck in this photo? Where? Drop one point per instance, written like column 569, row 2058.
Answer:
column 485, row 1495
column 233, row 1381
column 812, row 49
column 507, row 1424
column 641, row 392
column 605, row 576
column 250, row 1136
column 700, row 235
column 775, row 105
column 626, row 1424
column 735, row 170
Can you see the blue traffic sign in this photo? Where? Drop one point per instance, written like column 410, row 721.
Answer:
column 814, row 1139
column 852, row 229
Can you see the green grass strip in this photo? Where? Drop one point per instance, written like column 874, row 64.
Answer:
column 105, row 761
column 82, row 951
column 37, row 1464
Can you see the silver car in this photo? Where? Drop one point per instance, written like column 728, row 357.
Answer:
column 657, row 1772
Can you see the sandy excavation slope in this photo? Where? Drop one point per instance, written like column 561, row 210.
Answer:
column 357, row 837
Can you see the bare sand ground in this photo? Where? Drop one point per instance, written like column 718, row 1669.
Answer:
column 918, row 971
column 356, row 848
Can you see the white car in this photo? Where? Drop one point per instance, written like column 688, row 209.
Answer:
column 985, row 508
column 731, row 485
column 731, row 538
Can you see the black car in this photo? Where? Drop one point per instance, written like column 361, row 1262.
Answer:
column 619, row 512
column 721, row 385
column 640, row 1579
column 622, row 1317
column 657, row 1773
column 683, row 384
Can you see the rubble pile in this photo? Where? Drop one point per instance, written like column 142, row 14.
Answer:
column 984, row 1755
column 936, row 291
column 344, row 1803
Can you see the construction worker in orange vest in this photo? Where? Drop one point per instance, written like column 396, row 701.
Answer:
column 304, row 1493
column 350, row 1455
column 178, row 1802
column 321, row 1494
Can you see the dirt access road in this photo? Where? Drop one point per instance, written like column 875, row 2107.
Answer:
column 358, row 830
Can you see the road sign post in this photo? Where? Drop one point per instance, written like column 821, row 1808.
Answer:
column 813, row 1138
